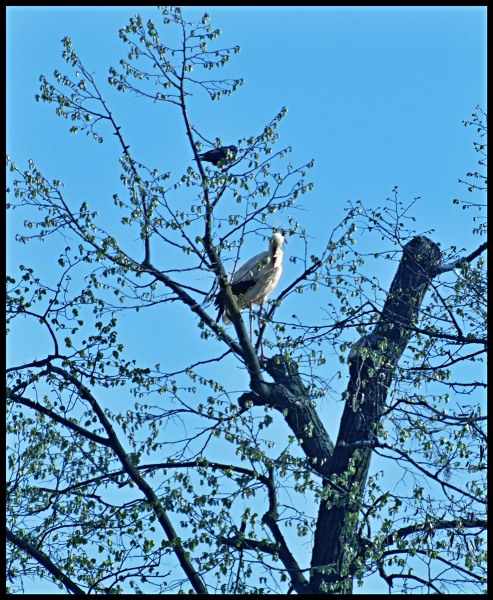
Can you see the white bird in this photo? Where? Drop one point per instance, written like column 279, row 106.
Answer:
column 256, row 279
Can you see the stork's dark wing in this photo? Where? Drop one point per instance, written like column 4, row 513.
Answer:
column 242, row 287
column 239, row 288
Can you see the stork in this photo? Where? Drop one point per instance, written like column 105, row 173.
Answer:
column 255, row 280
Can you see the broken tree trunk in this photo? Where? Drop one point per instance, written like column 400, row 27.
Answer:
column 344, row 468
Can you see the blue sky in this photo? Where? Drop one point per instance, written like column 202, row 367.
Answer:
column 375, row 95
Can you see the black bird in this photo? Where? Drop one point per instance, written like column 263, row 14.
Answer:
column 216, row 154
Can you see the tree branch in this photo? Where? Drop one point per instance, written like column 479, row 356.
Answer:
column 438, row 524
column 44, row 560
column 141, row 483
column 291, row 398
column 460, row 261
column 65, row 422
column 298, row 580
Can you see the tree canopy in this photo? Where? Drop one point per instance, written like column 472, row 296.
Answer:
column 221, row 476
